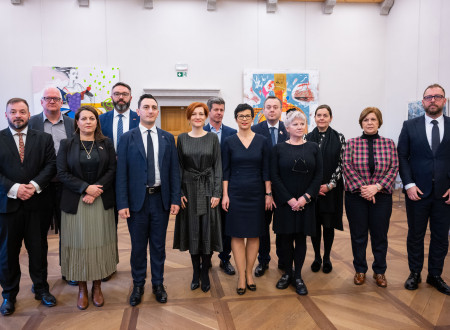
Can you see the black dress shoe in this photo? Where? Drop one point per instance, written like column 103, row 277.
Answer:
column 261, row 269
column 251, row 287
column 7, row 307
column 327, row 266
column 47, row 298
column 227, row 267
column 315, row 266
column 412, row 283
column 195, row 284
column 136, row 295
column 284, row 281
column 439, row 284
column 300, row 287
column 240, row 291
column 160, row 293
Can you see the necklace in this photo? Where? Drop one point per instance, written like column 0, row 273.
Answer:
column 88, row 153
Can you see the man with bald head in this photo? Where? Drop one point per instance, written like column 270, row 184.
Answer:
column 59, row 126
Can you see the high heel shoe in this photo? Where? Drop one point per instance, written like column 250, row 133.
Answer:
column 240, row 291
column 251, row 287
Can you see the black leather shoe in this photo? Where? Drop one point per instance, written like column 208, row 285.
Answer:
column 439, row 284
column 240, row 291
column 73, row 283
column 315, row 266
column 251, row 287
column 195, row 284
column 136, row 295
column 412, row 283
column 327, row 266
column 284, row 281
column 300, row 287
column 7, row 307
column 47, row 298
column 160, row 293
column 261, row 269
column 227, row 267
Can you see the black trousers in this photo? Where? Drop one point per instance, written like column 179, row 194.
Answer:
column 51, row 215
column 294, row 250
column 364, row 217
column 225, row 255
column 264, row 242
column 418, row 213
column 16, row 227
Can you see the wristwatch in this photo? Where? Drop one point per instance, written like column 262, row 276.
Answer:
column 269, row 194
column 307, row 199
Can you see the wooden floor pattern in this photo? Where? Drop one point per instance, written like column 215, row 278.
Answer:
column 334, row 302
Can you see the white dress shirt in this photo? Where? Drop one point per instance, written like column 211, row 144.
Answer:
column 155, row 141
column 125, row 121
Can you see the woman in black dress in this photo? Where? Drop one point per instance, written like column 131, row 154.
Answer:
column 246, row 193
column 296, row 172
column 198, row 226
column 329, row 206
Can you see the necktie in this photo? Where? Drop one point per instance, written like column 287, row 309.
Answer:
column 21, row 147
column 150, row 161
column 119, row 128
column 272, row 135
column 435, row 138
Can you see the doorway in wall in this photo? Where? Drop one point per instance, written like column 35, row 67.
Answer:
column 173, row 120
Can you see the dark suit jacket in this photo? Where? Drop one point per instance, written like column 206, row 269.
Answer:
column 226, row 132
column 417, row 161
column 71, row 175
column 131, row 177
column 263, row 129
column 106, row 122
column 37, row 122
column 38, row 166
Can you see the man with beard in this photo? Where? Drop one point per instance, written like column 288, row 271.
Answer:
column 59, row 126
column 121, row 119
column 28, row 163
column 424, row 155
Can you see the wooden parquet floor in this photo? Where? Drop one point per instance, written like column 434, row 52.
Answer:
column 334, row 302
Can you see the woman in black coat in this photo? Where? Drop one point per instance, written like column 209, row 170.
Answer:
column 296, row 172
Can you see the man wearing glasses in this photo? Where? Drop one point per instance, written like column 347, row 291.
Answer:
column 59, row 126
column 424, row 155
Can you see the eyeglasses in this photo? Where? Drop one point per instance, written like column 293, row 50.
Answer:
column 244, row 117
column 121, row 94
column 428, row 98
column 300, row 166
column 49, row 99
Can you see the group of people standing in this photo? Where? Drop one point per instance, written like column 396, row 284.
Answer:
column 224, row 186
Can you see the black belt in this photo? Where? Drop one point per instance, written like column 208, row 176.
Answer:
column 153, row 190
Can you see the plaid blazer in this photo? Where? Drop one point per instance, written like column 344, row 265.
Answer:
column 356, row 164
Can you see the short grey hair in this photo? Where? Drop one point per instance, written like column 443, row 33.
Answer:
column 293, row 115
column 214, row 100
column 51, row 87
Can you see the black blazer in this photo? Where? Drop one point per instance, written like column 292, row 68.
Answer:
column 38, row 166
column 263, row 129
column 70, row 174
column 37, row 122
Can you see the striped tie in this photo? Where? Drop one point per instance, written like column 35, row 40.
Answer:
column 119, row 128
column 21, row 147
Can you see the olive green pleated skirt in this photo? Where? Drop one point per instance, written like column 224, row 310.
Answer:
column 88, row 242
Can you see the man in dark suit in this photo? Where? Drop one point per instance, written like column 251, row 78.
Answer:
column 275, row 132
column 148, row 189
column 60, row 127
column 216, row 107
column 122, row 118
column 424, row 155
column 26, row 168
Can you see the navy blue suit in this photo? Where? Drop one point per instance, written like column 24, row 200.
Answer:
column 149, row 214
column 226, row 240
column 106, row 122
column 431, row 174
column 264, row 241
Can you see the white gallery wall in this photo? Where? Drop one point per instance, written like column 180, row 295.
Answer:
column 364, row 58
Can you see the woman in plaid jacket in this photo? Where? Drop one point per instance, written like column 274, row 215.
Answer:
column 370, row 169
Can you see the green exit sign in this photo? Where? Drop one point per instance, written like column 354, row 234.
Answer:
column 181, row 74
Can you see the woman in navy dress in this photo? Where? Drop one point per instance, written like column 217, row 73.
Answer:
column 246, row 193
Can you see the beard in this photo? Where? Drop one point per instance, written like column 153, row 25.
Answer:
column 121, row 107
column 434, row 109
column 17, row 125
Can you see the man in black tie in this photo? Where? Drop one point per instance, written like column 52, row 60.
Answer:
column 275, row 132
column 148, row 189
column 424, row 155
column 26, row 168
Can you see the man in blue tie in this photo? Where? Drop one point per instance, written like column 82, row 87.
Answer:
column 148, row 189
column 216, row 107
column 275, row 132
column 424, row 156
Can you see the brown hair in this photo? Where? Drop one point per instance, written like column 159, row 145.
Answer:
column 324, row 106
column 368, row 111
column 17, row 100
column 434, row 86
column 98, row 135
column 190, row 109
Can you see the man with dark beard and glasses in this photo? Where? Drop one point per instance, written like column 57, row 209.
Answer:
column 27, row 165
column 424, row 155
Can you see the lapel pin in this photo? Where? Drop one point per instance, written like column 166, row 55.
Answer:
column 281, row 132
column 100, row 147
